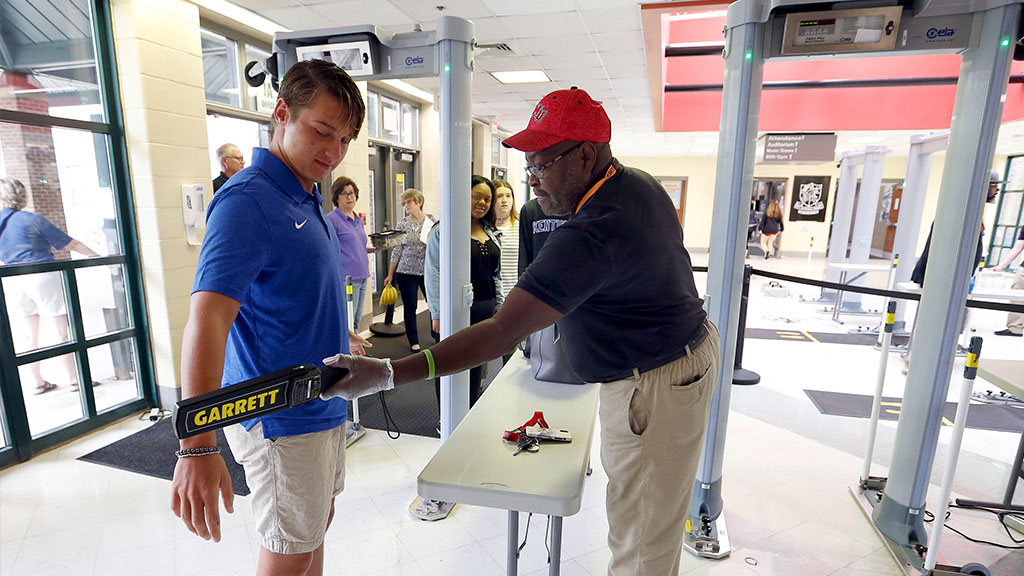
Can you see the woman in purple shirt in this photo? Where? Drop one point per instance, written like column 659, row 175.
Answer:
column 352, row 240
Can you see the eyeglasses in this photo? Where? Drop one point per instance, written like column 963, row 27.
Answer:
column 349, row 193
column 239, row 158
column 538, row 171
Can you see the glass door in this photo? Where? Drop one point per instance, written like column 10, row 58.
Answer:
column 73, row 347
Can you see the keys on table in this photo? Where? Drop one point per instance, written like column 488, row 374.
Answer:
column 527, row 444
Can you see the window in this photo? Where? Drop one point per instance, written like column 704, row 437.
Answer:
column 220, row 69
column 70, row 297
column 393, row 120
column 1009, row 213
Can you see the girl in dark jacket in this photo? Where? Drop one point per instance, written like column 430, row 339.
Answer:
column 771, row 224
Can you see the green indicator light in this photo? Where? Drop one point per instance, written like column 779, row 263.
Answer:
column 1005, row 42
column 447, row 67
column 749, row 55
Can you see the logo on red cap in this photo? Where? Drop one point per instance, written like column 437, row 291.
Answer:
column 539, row 112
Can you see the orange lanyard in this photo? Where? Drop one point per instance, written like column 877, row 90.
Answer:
column 608, row 174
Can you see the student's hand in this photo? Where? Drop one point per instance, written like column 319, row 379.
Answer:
column 435, row 325
column 387, row 279
column 999, row 268
column 194, row 489
column 366, row 375
column 357, row 344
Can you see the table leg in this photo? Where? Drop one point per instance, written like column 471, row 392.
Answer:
column 1015, row 474
column 556, row 546
column 512, row 563
column 839, row 297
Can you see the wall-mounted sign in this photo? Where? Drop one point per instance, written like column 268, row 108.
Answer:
column 796, row 148
column 810, row 198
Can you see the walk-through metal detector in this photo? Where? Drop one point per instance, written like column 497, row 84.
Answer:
column 908, row 229
column 370, row 53
column 984, row 32
column 872, row 158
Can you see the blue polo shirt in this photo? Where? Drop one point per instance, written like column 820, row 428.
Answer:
column 269, row 246
column 29, row 237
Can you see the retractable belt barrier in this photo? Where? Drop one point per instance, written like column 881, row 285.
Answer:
column 978, row 304
column 253, row 398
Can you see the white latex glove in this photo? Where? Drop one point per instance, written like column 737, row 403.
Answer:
column 365, row 376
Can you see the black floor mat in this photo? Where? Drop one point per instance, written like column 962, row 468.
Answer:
column 412, row 406
column 998, row 417
column 151, row 452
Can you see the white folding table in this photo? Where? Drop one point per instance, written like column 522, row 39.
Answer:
column 475, row 466
column 845, row 268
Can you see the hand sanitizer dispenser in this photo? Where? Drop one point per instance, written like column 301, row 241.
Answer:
column 193, row 208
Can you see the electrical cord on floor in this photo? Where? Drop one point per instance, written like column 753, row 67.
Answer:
column 154, row 415
column 1000, row 515
column 525, row 536
column 389, row 422
column 547, row 529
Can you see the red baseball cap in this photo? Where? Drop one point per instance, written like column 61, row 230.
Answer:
column 563, row 115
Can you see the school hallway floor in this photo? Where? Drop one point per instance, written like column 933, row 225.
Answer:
column 786, row 480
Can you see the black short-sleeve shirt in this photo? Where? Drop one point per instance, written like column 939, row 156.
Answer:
column 620, row 274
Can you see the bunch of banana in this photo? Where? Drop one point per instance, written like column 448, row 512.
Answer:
column 388, row 296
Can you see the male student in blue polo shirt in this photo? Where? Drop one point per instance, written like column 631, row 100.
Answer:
column 268, row 295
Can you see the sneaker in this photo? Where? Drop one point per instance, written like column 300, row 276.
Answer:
column 1008, row 332
column 415, row 347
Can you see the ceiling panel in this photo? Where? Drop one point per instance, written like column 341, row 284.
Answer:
column 529, row 8
column 564, row 44
column 351, row 12
column 612, row 19
column 618, row 42
column 549, row 24
column 421, row 11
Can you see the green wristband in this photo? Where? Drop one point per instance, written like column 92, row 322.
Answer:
column 430, row 364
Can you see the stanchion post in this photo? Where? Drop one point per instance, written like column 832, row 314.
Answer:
column 959, row 423
column 351, row 311
column 740, row 376
column 876, row 405
column 889, row 286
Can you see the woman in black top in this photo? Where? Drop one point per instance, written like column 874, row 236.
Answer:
column 484, row 272
column 771, row 224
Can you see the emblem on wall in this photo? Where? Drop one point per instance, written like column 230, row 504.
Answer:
column 812, row 194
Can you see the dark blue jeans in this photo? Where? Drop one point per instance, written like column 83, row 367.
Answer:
column 409, row 286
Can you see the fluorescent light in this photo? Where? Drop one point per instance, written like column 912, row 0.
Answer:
column 697, row 15
column 866, row 139
column 520, row 76
column 411, row 90
column 241, row 15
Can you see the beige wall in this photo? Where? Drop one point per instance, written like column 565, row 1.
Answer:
column 160, row 69
column 700, row 190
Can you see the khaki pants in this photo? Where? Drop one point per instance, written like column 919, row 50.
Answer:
column 652, row 429
column 1015, row 320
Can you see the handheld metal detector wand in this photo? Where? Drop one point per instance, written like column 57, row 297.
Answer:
column 252, row 398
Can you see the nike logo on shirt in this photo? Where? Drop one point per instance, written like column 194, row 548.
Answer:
column 299, row 226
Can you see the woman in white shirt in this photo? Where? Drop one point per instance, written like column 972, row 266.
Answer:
column 506, row 220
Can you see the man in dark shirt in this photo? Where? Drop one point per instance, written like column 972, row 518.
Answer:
column 618, row 281
column 231, row 163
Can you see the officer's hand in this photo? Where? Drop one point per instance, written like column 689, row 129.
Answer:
column 365, row 376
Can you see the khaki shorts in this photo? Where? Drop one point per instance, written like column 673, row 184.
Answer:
column 293, row 480
column 36, row 294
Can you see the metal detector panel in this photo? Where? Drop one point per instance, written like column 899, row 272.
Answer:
column 356, row 58
column 836, row 31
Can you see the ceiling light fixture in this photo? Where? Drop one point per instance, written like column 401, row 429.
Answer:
column 520, row 76
column 241, row 15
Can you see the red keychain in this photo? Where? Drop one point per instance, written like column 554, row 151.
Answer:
column 514, row 436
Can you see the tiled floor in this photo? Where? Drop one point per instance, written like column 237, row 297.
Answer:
column 786, row 486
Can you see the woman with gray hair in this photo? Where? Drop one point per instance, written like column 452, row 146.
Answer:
column 407, row 261
column 26, row 237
